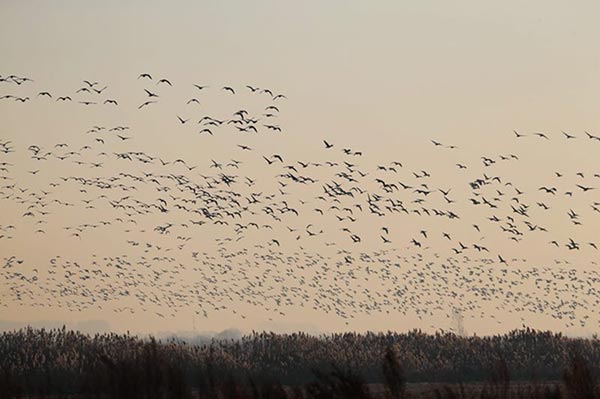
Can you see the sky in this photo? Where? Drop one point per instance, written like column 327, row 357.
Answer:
column 382, row 79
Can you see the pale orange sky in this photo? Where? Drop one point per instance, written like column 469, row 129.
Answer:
column 383, row 79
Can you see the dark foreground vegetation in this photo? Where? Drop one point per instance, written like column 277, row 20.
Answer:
column 521, row 364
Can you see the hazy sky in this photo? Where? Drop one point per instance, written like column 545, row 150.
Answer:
column 382, row 78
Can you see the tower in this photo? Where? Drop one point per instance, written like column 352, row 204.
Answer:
column 458, row 322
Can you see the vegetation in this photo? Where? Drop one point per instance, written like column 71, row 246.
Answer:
column 521, row 364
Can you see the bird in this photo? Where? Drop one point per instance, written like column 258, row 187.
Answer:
column 146, row 104
column 164, row 81
column 584, row 188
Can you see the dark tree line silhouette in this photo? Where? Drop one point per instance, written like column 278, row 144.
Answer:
column 39, row 362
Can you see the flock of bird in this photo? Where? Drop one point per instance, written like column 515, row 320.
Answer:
column 253, row 230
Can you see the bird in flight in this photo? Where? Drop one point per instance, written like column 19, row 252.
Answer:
column 229, row 89
column 146, row 104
